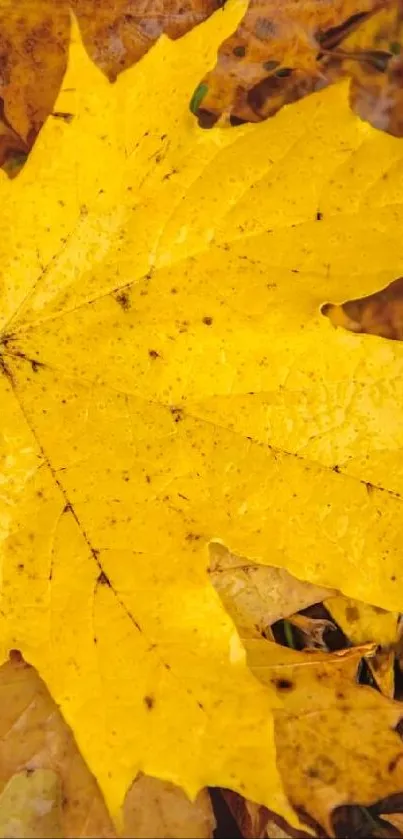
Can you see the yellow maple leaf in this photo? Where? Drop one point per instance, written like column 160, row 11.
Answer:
column 168, row 380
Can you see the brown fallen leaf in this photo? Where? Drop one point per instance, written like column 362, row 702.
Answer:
column 372, row 57
column 34, row 39
column 34, row 736
column 380, row 313
column 156, row 809
column 30, row 806
column 118, row 33
column 258, row 595
column 275, row 55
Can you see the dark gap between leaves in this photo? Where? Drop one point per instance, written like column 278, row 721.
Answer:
column 365, row 677
column 357, row 822
column 227, row 827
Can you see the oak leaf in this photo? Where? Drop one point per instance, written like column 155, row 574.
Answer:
column 168, row 380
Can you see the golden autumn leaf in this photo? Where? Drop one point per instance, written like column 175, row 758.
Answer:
column 329, row 730
column 363, row 623
column 168, row 380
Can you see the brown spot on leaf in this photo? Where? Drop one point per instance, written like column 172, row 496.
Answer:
column 265, row 28
column 393, row 763
column 123, row 298
column 283, row 685
column 352, row 614
column 270, row 65
column 284, row 72
column 149, row 702
column 15, row 656
column 177, row 413
column 64, row 115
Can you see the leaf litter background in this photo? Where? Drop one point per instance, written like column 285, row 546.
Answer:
column 64, row 290
column 280, row 52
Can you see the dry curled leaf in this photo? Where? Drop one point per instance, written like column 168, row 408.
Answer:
column 312, row 629
column 256, row 595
